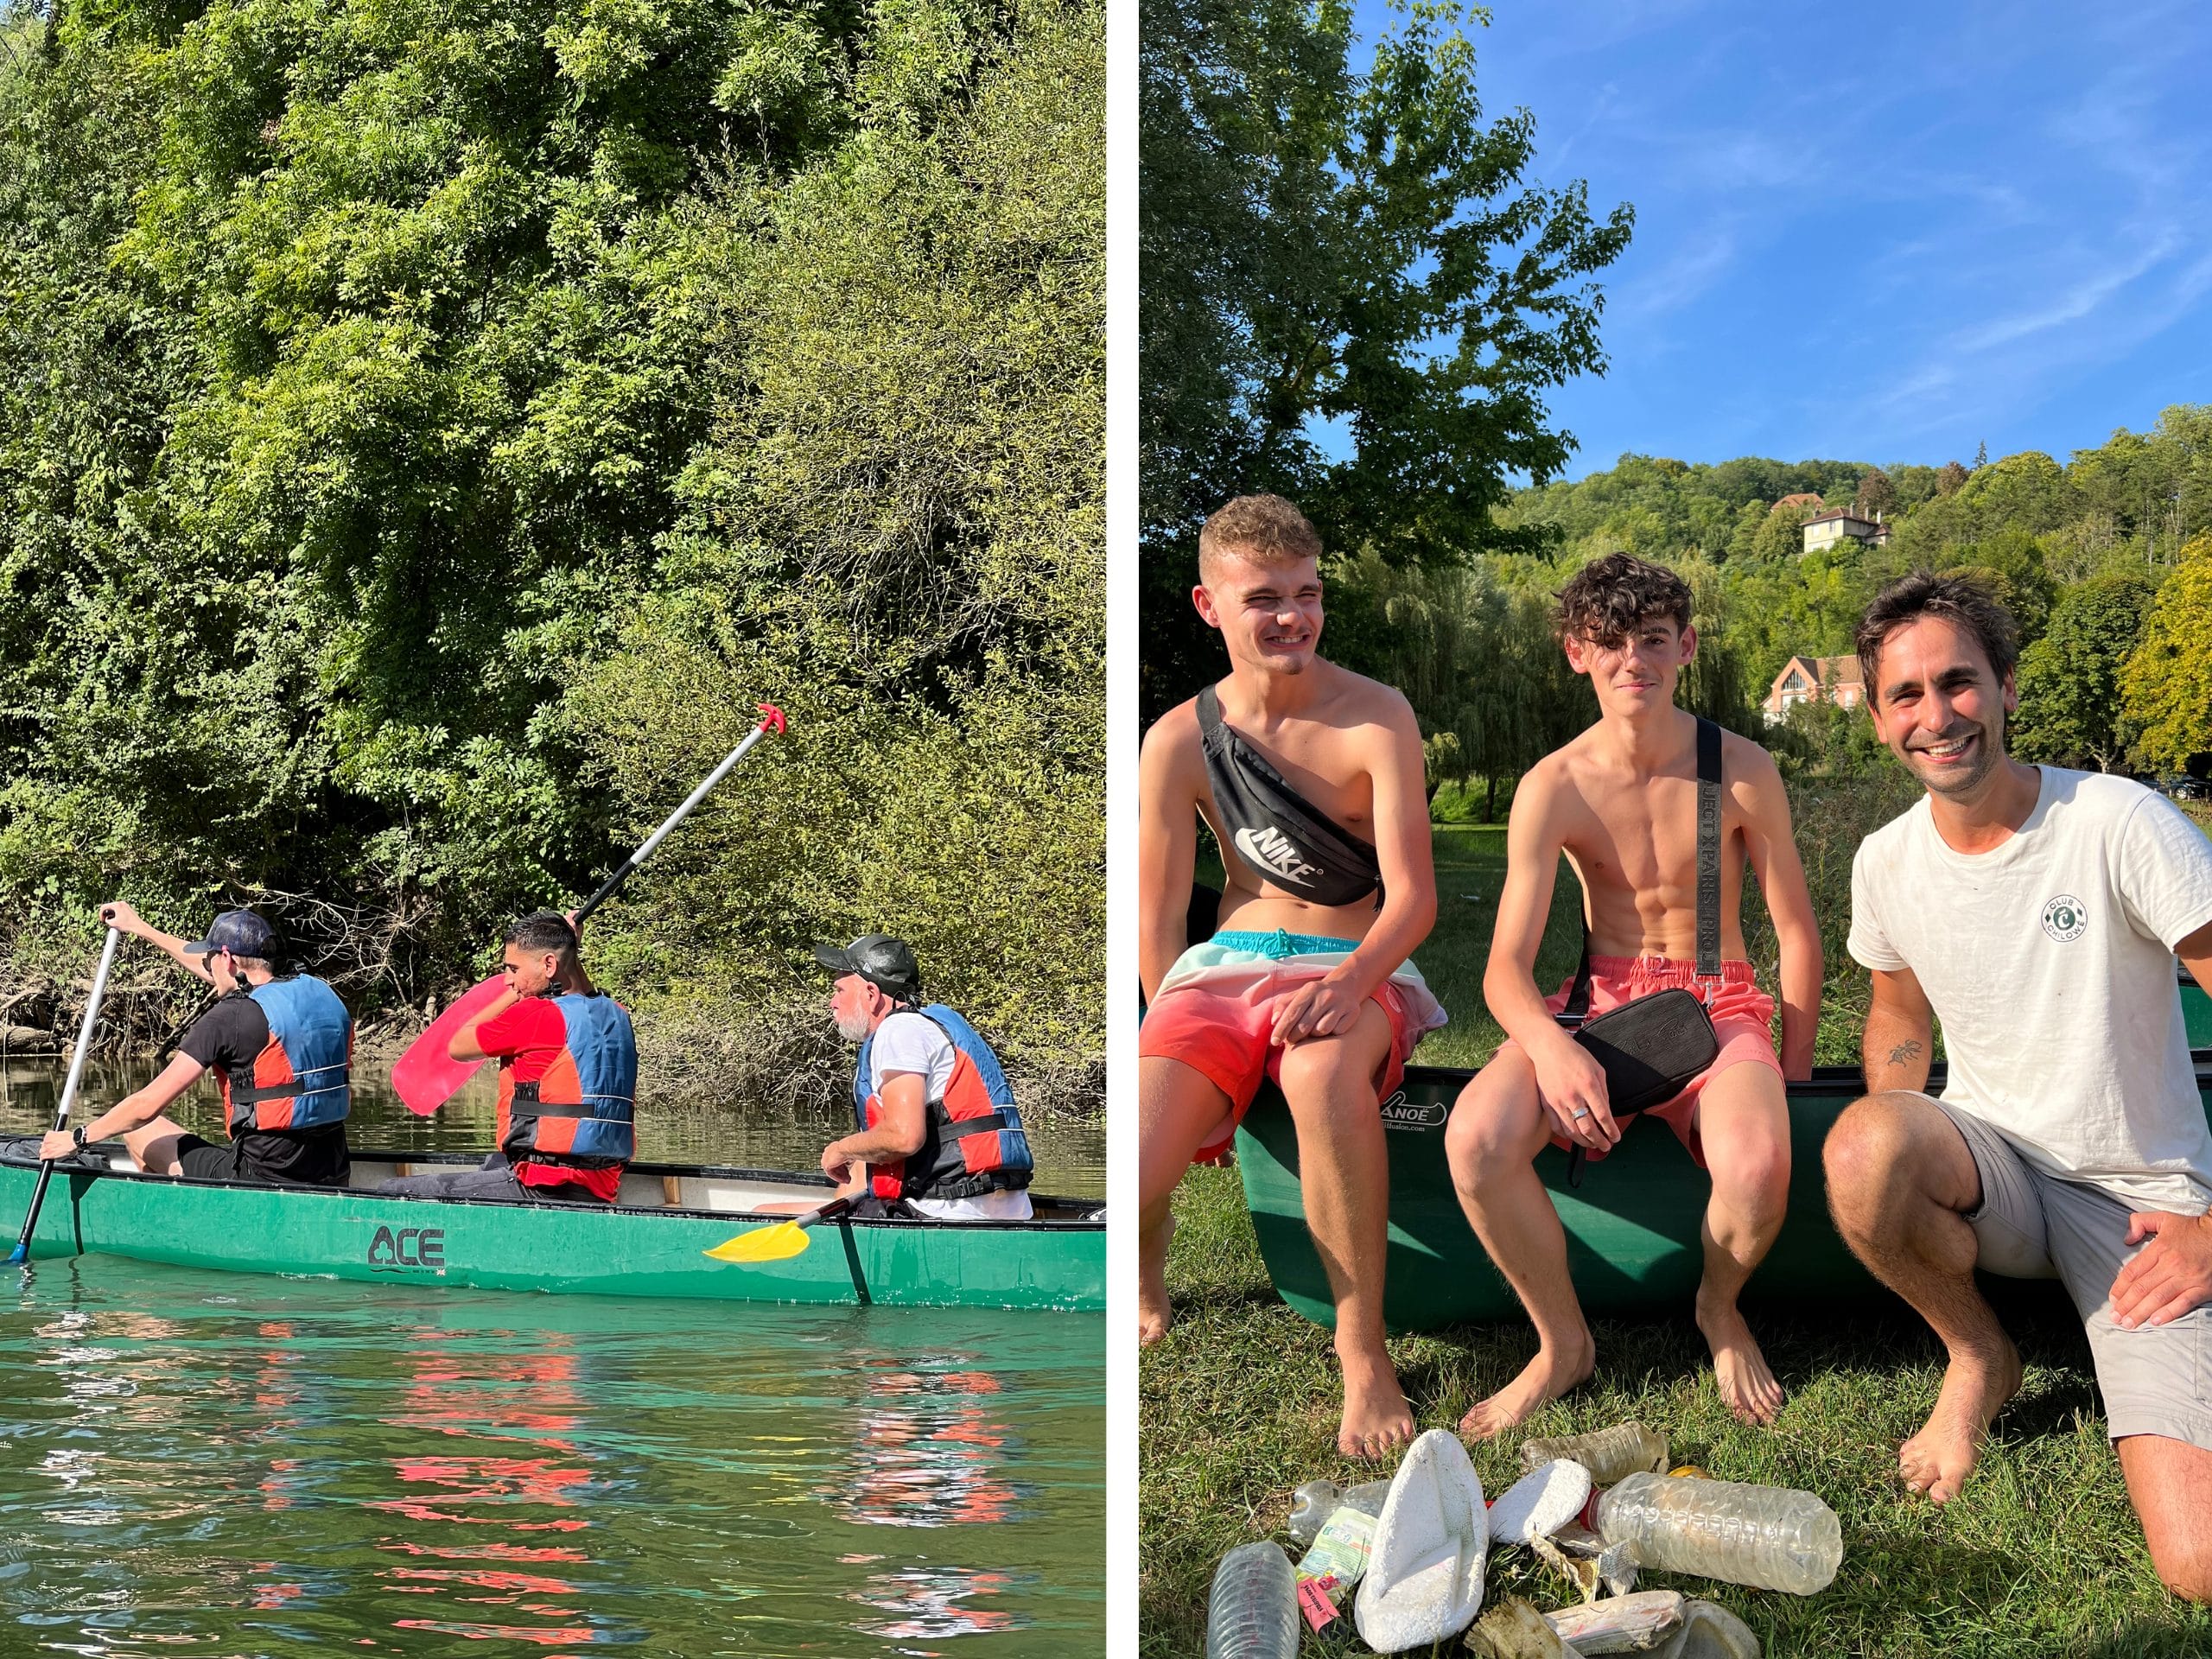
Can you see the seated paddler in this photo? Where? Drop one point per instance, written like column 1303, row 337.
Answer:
column 936, row 1131
column 1309, row 778
column 567, row 1080
column 281, row 1046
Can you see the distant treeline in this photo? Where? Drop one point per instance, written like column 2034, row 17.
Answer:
column 427, row 430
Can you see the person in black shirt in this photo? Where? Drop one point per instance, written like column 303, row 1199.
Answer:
column 280, row 1045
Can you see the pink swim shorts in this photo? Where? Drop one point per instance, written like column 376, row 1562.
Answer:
column 1743, row 1016
column 1225, row 1036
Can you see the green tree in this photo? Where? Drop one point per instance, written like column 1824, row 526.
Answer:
column 2070, row 680
column 1318, row 245
column 2167, row 687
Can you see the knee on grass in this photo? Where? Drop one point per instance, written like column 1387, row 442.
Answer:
column 2184, row 1566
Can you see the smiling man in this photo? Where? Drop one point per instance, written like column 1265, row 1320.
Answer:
column 1620, row 801
column 1309, row 778
column 2036, row 912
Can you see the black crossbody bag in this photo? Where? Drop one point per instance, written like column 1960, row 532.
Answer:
column 1652, row 1048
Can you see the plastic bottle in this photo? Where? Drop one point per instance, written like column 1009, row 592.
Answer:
column 1368, row 1498
column 1770, row 1537
column 1252, row 1612
column 1610, row 1454
column 1311, row 1506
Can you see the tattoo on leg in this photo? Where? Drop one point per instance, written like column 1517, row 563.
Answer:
column 1904, row 1052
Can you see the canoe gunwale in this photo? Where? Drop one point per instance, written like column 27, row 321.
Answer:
column 734, row 1218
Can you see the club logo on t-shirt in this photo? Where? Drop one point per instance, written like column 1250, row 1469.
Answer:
column 2064, row 919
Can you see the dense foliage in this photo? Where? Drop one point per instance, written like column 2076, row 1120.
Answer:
column 2113, row 599
column 426, row 429
column 1365, row 250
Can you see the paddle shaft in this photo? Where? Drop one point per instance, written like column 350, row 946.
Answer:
column 22, row 1249
column 772, row 720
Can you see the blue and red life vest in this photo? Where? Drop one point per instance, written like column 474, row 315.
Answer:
column 302, row 1078
column 972, row 1139
column 582, row 1111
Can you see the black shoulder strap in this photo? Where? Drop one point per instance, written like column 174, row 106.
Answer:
column 1708, row 850
column 1708, row 881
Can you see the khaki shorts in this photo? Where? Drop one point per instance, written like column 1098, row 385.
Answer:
column 2155, row 1379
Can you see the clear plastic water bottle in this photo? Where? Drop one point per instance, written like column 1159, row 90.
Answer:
column 1610, row 1454
column 1769, row 1537
column 1252, row 1612
column 1311, row 1506
column 1367, row 1499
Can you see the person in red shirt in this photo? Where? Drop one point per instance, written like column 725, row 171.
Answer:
column 567, row 1080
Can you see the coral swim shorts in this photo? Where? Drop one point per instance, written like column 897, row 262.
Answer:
column 1742, row 1015
column 1216, row 1016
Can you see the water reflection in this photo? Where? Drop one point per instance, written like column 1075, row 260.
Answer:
column 239, row 1464
column 930, row 1451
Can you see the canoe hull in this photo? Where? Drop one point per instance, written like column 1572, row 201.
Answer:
column 630, row 1252
column 1631, row 1226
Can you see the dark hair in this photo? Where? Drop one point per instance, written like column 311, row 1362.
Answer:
column 1610, row 598
column 545, row 929
column 1265, row 529
column 1960, row 601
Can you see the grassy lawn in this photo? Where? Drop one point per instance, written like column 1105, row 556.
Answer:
column 2041, row 1555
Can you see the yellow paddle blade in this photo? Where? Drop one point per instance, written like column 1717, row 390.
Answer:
column 775, row 1243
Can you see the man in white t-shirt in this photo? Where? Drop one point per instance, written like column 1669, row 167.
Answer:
column 2036, row 912
column 938, row 1129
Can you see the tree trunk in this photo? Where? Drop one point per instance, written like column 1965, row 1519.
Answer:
column 1490, row 799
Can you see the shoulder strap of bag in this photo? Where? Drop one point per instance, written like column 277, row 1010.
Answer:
column 1708, row 881
column 1708, row 850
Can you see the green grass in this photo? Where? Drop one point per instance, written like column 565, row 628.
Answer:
column 2041, row 1555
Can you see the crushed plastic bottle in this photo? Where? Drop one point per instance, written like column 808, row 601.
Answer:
column 1770, row 1537
column 1311, row 1506
column 1610, row 1454
column 1252, row 1611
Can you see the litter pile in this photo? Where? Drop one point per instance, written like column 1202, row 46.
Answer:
column 1406, row 1558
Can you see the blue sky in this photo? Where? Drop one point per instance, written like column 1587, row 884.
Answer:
column 1877, row 232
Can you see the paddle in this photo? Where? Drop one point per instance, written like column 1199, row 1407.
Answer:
column 777, row 1242
column 22, row 1250
column 426, row 1075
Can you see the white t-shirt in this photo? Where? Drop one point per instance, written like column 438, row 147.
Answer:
column 2049, row 961
column 914, row 1045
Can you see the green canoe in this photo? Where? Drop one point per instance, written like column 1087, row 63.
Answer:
column 650, row 1244
column 1631, row 1226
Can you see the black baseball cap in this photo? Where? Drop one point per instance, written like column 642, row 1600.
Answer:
column 887, row 963
column 240, row 933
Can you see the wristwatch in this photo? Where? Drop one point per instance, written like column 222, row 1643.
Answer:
column 77, row 1135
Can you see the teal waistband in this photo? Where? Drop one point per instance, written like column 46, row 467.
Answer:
column 1280, row 943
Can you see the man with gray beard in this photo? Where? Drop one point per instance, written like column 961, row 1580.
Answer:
column 937, row 1129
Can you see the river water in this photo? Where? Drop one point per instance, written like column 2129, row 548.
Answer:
column 241, row 1464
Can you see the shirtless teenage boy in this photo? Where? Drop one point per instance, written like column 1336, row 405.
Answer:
column 1310, row 777
column 1620, row 801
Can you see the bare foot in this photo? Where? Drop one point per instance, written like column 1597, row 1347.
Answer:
column 1746, row 1383
column 1937, row 1460
column 1549, row 1375
column 1377, row 1420
column 1153, row 1313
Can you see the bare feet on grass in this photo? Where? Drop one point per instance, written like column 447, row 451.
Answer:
column 1377, row 1420
column 1746, row 1382
column 1937, row 1460
column 1550, row 1374
column 1154, row 1315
